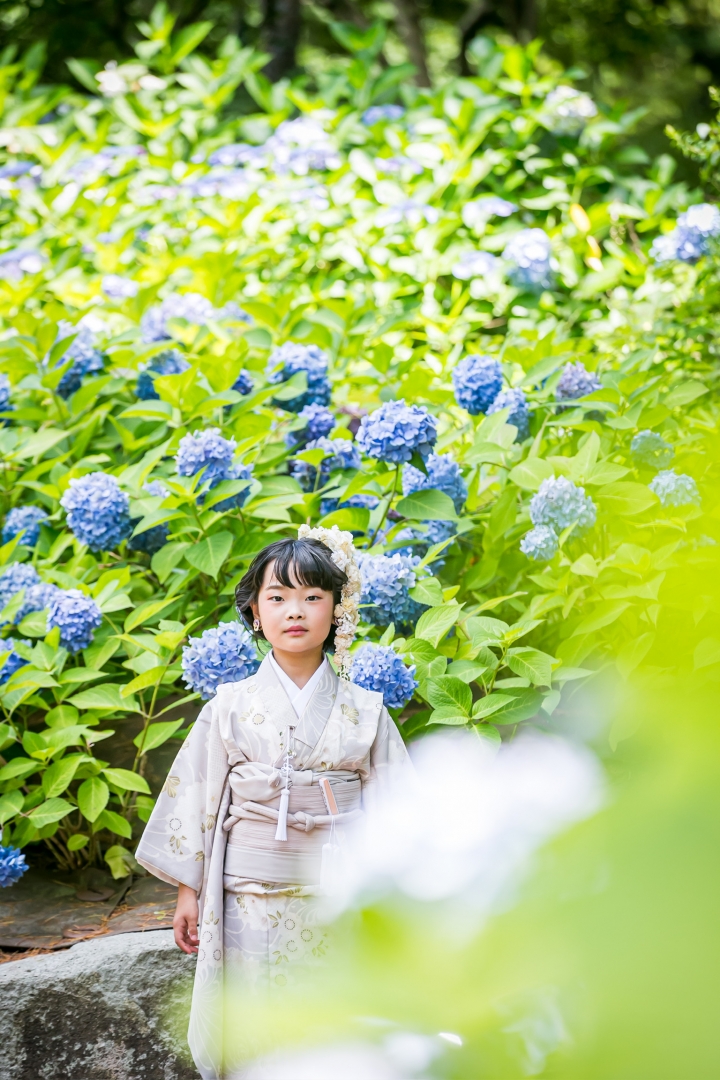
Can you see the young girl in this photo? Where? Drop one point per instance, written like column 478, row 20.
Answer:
column 271, row 763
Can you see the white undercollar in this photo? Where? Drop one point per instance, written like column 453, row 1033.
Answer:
column 299, row 696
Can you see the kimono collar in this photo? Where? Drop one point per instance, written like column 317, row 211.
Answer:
column 299, row 695
column 312, row 723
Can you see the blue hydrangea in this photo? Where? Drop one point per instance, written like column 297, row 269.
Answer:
column 77, row 616
column 386, row 582
column 341, row 454
column 149, row 541
column 244, row 383
column 567, row 110
column 190, row 306
column 410, row 211
column 223, row 654
column 170, row 362
column 98, row 511
column 515, row 401
column 443, row 474
column 675, row 489
column 319, row 422
column 36, row 598
column 291, row 358
column 12, row 663
column 16, row 576
column 691, row 237
column 378, row 113
column 18, row 262
column 528, row 257
column 24, row 519
column 12, row 866
column 559, row 503
column 650, row 449
column 378, row 667
column 576, row 382
column 86, row 358
column 541, row 543
column 212, row 453
column 360, row 502
column 5, row 403
column 396, row 431
column 119, row 288
column 477, row 212
column 477, row 381
column 474, row 264
column 418, row 541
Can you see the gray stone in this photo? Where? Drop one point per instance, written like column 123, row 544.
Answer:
column 113, row 1008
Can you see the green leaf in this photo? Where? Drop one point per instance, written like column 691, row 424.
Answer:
column 434, row 623
column 430, row 505
column 18, row 767
column 428, row 591
column 519, row 705
column 92, row 797
column 146, row 612
column 108, row 819
column 350, row 518
column 626, row 498
column 684, row 393
column 489, row 733
column 209, row 555
column 483, row 630
column 449, row 692
column 50, row 811
column 156, row 735
column 10, row 805
column 108, row 696
column 450, row 716
column 531, row 664
column 78, row 841
column 127, row 780
column 147, row 678
column 57, row 778
column 486, row 706
column 529, row 474
column 120, row 861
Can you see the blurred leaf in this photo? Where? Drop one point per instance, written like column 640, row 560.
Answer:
column 531, row 664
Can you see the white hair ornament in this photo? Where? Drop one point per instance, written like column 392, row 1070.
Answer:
column 347, row 613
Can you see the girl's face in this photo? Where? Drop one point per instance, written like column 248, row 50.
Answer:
column 294, row 620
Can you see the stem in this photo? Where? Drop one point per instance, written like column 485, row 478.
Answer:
column 387, row 506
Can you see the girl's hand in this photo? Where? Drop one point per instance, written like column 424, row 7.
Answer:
column 186, row 919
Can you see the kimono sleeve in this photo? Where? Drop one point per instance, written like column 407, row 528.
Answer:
column 388, row 758
column 178, row 837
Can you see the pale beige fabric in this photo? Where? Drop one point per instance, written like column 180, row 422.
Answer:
column 232, row 758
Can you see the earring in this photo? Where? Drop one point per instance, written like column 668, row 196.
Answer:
column 256, row 625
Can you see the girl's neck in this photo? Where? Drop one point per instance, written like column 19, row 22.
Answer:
column 300, row 667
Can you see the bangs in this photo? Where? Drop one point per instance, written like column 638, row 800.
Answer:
column 298, row 563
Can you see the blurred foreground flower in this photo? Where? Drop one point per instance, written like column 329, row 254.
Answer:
column 14, row 577
column 171, row 362
column 528, row 259
column 675, row 489
column 222, row 654
column 291, row 359
column 24, row 519
column 650, row 449
column 382, row 113
column 515, row 401
column 567, row 110
column 12, row 662
column 690, row 239
column 477, row 212
column 86, row 358
column 576, row 382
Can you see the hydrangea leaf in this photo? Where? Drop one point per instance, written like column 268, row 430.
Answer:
column 529, row 474
column 429, row 505
column 50, row 811
column 114, row 822
column 434, row 623
column 531, row 664
column 210, row 554
column 92, row 797
column 428, row 591
column 106, row 697
column 10, row 804
column 57, row 778
column 447, row 691
column 627, row 498
column 449, row 715
column 156, row 735
column 127, row 780
column 120, row 861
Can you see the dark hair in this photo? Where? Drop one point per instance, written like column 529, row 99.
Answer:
column 308, row 562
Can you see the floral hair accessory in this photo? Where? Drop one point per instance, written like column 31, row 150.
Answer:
column 347, row 613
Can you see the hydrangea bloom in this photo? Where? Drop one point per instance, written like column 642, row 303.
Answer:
column 443, row 474
column 18, row 262
column 170, row 362
column 360, row 502
column 5, row 404
column 386, row 581
column 223, row 654
column 77, row 616
column 541, row 543
column 378, row 667
column 474, row 264
column 567, row 110
column 418, row 541
column 477, row 381
column 190, row 306
column 36, row 598
column 378, row 113
column 515, row 401
column 12, row 866
column 690, row 239
column 396, row 431
column 25, row 519
column 559, row 503
column 397, row 164
column 12, row 663
column 86, row 358
column 477, row 212
column 319, row 422
column 650, row 449
column 149, row 541
column 528, row 258
column 409, row 210
column 14, row 577
column 341, row 454
column 210, row 452
column 291, row 358
column 119, row 288
column 98, row 512
column 244, row 383
column 575, row 382
column 675, row 489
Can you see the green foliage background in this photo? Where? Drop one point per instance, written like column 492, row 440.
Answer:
column 503, row 640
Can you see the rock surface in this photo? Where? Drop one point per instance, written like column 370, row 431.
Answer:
column 113, row 1008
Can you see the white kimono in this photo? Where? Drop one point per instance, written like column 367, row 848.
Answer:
column 214, row 827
